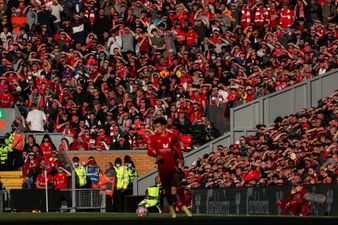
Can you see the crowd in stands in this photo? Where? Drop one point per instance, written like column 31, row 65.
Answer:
column 301, row 148
column 101, row 71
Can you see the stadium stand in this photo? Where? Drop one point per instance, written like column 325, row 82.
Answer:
column 96, row 66
column 299, row 148
column 99, row 72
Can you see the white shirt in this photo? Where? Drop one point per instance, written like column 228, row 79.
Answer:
column 36, row 118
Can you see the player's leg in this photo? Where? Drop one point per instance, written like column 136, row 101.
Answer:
column 180, row 191
column 166, row 178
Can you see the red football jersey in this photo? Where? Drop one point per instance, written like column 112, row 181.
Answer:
column 167, row 146
column 46, row 148
column 61, row 181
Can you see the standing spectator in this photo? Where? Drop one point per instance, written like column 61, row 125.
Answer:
column 36, row 119
column 56, row 12
column 41, row 179
column 61, row 182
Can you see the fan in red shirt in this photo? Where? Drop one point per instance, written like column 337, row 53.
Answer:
column 47, row 146
column 102, row 141
column 61, row 179
column 165, row 148
column 41, row 180
column 6, row 98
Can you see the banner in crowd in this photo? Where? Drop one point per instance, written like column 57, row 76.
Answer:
column 258, row 200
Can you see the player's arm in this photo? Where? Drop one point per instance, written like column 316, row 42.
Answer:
column 179, row 153
column 151, row 148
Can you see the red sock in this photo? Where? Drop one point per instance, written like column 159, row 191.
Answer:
column 181, row 195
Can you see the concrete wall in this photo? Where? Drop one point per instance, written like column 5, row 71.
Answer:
column 285, row 102
column 8, row 116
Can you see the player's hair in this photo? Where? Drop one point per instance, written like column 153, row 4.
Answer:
column 161, row 121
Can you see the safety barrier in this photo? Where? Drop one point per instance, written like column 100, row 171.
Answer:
column 259, row 200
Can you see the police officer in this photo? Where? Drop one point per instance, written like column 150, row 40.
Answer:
column 132, row 174
column 5, row 150
column 81, row 174
column 122, row 180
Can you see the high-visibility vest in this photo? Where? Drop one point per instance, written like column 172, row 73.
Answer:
column 132, row 174
column 122, row 177
column 3, row 154
column 93, row 173
column 153, row 191
column 82, row 175
column 107, row 183
column 18, row 141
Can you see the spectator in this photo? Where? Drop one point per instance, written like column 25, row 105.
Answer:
column 61, row 183
column 47, row 146
column 300, row 148
column 30, row 171
column 36, row 119
column 112, row 64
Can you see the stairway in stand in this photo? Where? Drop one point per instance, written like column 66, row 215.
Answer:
column 11, row 179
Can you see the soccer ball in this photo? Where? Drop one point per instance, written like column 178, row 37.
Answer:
column 142, row 212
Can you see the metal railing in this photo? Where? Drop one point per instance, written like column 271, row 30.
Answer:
column 89, row 198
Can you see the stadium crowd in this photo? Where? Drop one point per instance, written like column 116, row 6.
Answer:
column 301, row 148
column 101, row 71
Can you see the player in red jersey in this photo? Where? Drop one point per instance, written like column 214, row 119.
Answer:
column 165, row 148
